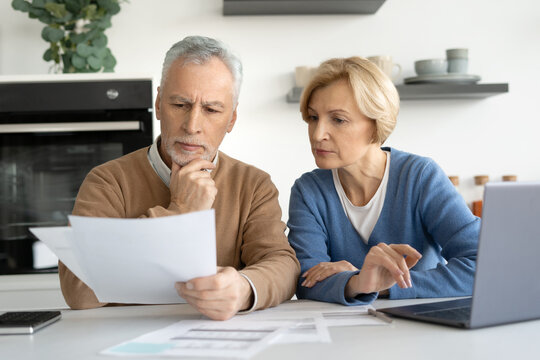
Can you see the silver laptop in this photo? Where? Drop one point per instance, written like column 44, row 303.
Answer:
column 506, row 285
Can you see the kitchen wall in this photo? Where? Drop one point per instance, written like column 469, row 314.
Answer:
column 494, row 136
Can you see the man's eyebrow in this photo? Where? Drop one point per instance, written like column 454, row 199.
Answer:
column 214, row 103
column 179, row 99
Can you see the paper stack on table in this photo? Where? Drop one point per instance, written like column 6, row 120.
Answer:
column 301, row 321
column 136, row 260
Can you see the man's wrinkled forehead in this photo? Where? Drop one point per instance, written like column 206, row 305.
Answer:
column 211, row 76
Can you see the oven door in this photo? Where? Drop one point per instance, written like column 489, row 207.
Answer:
column 42, row 166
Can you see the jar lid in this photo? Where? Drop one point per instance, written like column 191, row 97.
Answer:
column 481, row 179
column 509, row 178
column 454, row 179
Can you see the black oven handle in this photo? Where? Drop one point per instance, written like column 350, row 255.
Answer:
column 70, row 127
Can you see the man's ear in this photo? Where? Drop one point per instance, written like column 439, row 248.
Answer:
column 233, row 120
column 157, row 105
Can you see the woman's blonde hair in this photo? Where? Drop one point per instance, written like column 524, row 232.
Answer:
column 375, row 94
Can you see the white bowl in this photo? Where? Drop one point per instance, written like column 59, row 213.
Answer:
column 431, row 66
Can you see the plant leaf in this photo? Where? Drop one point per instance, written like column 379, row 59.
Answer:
column 38, row 4
column 47, row 56
column 84, row 50
column 74, row 6
column 78, row 62
column 51, row 34
column 100, row 41
column 20, row 5
column 89, row 11
column 77, row 38
column 110, row 6
column 94, row 62
column 57, row 10
column 109, row 62
column 37, row 12
column 100, row 52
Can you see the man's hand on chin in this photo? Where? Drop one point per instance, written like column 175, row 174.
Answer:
column 218, row 296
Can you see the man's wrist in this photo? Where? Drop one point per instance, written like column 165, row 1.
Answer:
column 178, row 209
column 249, row 294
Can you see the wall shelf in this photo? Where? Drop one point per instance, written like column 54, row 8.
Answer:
column 300, row 7
column 433, row 91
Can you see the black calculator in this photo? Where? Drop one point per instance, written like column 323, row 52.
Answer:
column 26, row 322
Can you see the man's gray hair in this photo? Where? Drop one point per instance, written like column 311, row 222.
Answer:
column 199, row 50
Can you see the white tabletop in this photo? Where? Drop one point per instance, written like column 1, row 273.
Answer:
column 81, row 334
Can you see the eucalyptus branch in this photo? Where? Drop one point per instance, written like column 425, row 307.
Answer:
column 75, row 31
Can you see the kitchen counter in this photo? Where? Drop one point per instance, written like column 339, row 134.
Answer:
column 20, row 292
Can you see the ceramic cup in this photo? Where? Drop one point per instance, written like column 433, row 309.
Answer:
column 385, row 63
column 303, row 74
column 431, row 66
column 458, row 61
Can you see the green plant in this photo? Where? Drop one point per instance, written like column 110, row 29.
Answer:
column 75, row 30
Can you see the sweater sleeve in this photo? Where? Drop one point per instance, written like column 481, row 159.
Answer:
column 308, row 236
column 100, row 195
column 96, row 198
column 269, row 260
column 449, row 223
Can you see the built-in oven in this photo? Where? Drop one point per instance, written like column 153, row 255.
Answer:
column 52, row 133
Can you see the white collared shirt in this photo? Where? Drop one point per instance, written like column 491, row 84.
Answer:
column 161, row 169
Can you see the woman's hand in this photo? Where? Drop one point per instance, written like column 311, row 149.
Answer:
column 384, row 266
column 325, row 269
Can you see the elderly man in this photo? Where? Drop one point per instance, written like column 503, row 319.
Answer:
column 183, row 171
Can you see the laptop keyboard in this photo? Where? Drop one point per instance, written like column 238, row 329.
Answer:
column 459, row 313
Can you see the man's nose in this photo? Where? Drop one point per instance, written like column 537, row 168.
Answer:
column 194, row 121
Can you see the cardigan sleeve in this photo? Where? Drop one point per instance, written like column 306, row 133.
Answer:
column 309, row 237
column 449, row 223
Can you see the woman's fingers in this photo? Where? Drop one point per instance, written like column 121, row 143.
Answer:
column 323, row 270
column 405, row 257
column 411, row 254
column 316, row 275
column 399, row 260
column 386, row 260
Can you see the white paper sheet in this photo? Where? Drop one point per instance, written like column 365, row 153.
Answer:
column 331, row 314
column 136, row 260
column 59, row 240
column 229, row 339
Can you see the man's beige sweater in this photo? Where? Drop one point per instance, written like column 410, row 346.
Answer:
column 249, row 231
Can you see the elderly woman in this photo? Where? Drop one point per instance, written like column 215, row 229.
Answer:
column 391, row 214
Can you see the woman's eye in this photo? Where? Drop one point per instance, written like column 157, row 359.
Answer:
column 338, row 120
column 312, row 118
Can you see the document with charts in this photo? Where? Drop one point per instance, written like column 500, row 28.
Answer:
column 220, row 339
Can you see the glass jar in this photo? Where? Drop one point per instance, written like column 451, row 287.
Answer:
column 511, row 178
column 479, row 182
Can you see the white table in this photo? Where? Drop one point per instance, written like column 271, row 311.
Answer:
column 82, row 334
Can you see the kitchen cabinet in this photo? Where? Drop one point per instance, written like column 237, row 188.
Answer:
column 300, row 7
column 433, row 91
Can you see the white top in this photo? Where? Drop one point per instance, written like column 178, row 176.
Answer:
column 364, row 218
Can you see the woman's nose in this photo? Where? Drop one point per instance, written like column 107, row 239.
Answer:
column 318, row 131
